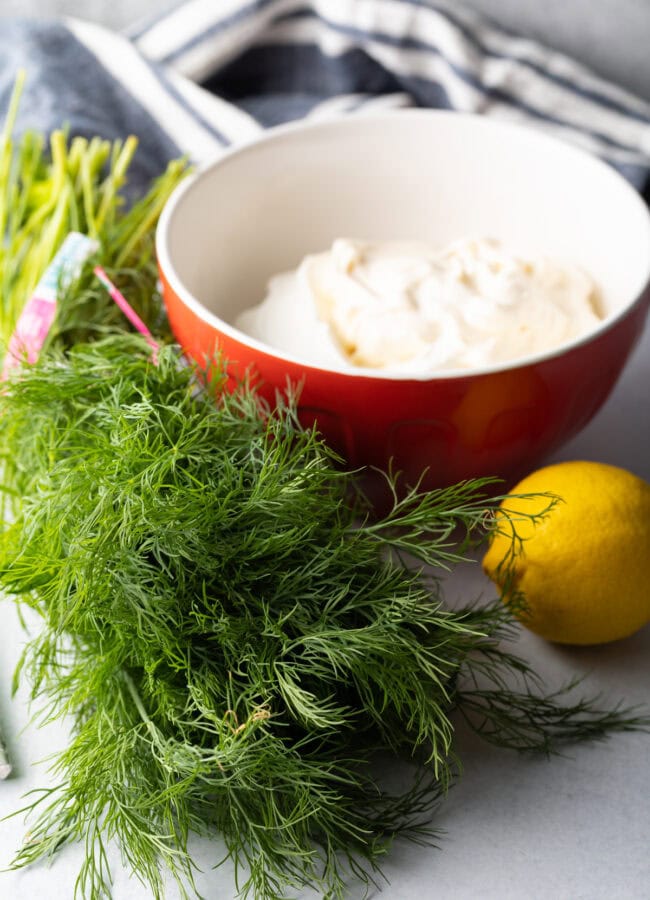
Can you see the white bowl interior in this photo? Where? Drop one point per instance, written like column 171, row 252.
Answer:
column 433, row 176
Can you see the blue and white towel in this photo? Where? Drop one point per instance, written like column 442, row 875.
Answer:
column 210, row 73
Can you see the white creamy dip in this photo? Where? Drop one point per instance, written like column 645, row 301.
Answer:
column 407, row 306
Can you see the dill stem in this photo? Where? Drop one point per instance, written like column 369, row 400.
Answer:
column 148, row 221
column 115, row 179
column 139, row 705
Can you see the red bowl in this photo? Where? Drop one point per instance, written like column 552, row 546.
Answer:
column 426, row 175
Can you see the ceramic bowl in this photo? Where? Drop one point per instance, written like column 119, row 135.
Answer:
column 424, row 175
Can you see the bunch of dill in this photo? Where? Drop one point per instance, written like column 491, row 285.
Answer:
column 232, row 637
column 49, row 187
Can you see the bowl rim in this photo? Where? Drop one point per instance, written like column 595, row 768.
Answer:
column 278, row 133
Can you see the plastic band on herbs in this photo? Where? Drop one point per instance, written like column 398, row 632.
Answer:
column 118, row 297
column 36, row 319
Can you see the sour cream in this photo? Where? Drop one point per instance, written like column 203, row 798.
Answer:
column 410, row 307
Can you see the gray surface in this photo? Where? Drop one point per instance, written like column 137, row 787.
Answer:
column 570, row 828
column 115, row 13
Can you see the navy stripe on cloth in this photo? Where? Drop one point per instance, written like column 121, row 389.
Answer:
column 180, row 99
column 242, row 14
column 284, row 67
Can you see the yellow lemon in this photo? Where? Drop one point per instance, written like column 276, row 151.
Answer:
column 582, row 569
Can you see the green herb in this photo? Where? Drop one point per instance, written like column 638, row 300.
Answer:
column 46, row 192
column 234, row 640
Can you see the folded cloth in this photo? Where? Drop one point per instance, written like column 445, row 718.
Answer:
column 210, row 73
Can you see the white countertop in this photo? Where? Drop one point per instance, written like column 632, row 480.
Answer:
column 574, row 827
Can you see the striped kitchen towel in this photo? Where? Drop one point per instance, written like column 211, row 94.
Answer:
column 209, row 73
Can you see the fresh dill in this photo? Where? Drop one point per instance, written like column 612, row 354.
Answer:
column 51, row 187
column 230, row 634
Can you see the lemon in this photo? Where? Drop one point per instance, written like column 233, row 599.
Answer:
column 583, row 570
